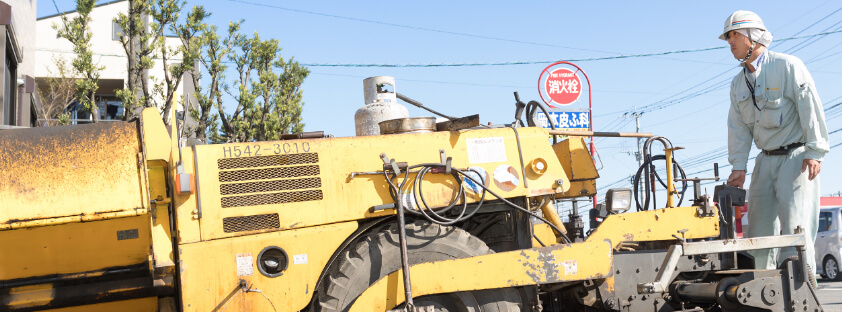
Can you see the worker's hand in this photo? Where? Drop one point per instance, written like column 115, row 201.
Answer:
column 814, row 166
column 737, row 178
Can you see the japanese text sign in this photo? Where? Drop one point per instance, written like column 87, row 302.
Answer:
column 564, row 119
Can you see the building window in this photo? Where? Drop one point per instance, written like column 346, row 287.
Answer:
column 116, row 31
column 10, row 88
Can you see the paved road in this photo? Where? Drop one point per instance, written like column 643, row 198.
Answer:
column 830, row 295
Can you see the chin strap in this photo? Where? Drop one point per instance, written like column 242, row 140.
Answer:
column 750, row 50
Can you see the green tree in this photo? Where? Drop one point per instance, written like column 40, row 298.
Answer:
column 210, row 98
column 136, row 40
column 78, row 32
column 165, row 16
column 267, row 92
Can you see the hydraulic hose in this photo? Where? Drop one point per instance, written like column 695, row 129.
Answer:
column 648, row 163
column 437, row 215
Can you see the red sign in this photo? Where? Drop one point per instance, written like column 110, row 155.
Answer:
column 563, row 86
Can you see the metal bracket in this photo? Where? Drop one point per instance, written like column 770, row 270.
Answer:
column 675, row 252
column 706, row 209
column 446, row 161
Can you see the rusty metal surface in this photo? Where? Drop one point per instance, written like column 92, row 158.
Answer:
column 408, row 125
column 71, row 173
column 458, row 123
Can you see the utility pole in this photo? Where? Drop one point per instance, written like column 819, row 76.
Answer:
column 639, row 154
column 636, row 116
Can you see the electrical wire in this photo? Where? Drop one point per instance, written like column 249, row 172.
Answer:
column 432, row 65
column 416, row 27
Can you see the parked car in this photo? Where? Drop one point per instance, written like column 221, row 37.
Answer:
column 828, row 243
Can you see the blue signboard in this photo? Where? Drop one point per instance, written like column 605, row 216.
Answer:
column 564, row 119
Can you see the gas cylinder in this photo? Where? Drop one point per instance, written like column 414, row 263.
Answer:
column 381, row 104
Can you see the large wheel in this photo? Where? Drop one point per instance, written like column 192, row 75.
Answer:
column 378, row 254
column 831, row 269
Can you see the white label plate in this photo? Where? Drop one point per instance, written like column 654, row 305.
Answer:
column 486, row 150
column 299, row 259
column 245, row 264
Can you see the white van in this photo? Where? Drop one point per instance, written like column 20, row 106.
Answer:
column 828, row 244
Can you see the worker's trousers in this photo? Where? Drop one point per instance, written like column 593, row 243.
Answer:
column 782, row 198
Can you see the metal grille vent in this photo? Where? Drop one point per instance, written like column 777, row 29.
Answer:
column 251, row 223
column 269, row 186
column 268, row 173
column 271, row 198
column 267, row 161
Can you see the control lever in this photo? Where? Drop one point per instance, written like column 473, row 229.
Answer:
column 697, row 187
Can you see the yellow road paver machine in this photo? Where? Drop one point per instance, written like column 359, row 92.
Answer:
column 119, row 217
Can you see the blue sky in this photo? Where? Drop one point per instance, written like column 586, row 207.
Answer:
column 435, row 32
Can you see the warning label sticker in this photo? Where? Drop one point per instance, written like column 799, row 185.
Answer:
column 299, row 259
column 570, row 267
column 245, row 263
column 486, row 150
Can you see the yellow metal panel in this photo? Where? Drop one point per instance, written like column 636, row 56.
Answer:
column 344, row 198
column 141, row 304
column 73, row 247
column 576, row 159
column 544, row 233
column 160, row 221
column 156, row 137
column 209, row 271
column 53, row 175
column 186, row 209
column 654, row 225
column 579, row 189
column 552, row 264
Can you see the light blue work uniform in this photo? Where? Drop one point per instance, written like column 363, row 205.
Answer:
column 788, row 111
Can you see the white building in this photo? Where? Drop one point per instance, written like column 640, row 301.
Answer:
column 17, row 45
column 107, row 52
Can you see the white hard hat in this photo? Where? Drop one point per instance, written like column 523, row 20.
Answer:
column 741, row 20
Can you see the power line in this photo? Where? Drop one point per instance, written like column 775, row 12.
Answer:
column 624, row 56
column 416, row 27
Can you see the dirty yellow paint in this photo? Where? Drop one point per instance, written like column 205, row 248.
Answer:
column 654, row 225
column 29, row 296
column 156, row 139
column 209, row 274
column 186, row 209
column 552, row 264
column 73, row 247
column 581, row 171
column 545, row 234
column 575, row 158
column 141, row 304
column 344, row 198
column 54, row 175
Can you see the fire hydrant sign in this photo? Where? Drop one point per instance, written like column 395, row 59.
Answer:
column 564, row 119
column 563, row 86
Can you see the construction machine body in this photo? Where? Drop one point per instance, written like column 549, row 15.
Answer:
column 117, row 216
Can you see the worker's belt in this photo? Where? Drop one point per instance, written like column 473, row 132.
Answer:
column 784, row 150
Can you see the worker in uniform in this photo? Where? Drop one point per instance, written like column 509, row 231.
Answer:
column 774, row 102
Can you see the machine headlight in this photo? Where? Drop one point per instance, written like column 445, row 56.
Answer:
column 618, row 200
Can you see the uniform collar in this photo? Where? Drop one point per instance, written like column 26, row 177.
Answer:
column 758, row 62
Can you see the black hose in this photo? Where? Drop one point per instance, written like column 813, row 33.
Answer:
column 435, row 215
column 649, row 163
column 531, row 115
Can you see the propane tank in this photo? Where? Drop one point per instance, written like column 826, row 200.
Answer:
column 381, row 104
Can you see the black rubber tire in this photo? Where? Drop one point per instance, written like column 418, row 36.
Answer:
column 378, row 254
column 833, row 276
